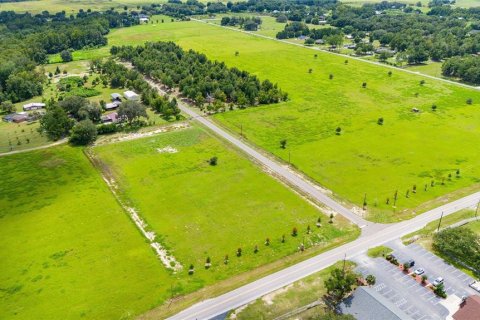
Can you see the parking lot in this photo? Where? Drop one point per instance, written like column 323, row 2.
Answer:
column 415, row 300
column 456, row 281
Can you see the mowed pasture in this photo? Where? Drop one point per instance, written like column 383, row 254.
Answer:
column 72, row 6
column 366, row 159
column 199, row 210
column 68, row 251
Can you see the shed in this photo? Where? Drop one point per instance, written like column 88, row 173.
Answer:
column 113, row 105
column 130, row 95
column 33, row 106
column 116, row 97
column 469, row 309
column 110, row 118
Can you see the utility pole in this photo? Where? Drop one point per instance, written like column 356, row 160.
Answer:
column 440, row 222
column 344, row 259
column 289, row 157
column 241, row 130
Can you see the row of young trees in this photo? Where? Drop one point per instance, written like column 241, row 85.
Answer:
column 246, row 23
column 198, row 78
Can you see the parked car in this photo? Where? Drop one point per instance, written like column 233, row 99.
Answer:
column 437, row 281
column 411, row 262
column 419, row 271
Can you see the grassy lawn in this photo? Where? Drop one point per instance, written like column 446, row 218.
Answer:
column 201, row 211
column 379, row 251
column 294, row 296
column 68, row 251
column 367, row 158
column 431, row 68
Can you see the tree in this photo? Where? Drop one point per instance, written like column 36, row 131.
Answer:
column 371, row 279
column 66, row 55
column 339, row 284
column 7, row 106
column 73, row 104
column 131, row 111
column 380, row 121
column 338, row 131
column 283, row 143
column 459, row 243
column 213, row 161
column 294, row 232
column 83, row 133
column 55, row 123
column 282, row 18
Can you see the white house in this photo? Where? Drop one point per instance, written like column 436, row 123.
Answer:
column 33, row 106
column 130, row 95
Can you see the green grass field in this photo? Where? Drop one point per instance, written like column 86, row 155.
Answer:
column 203, row 211
column 377, row 160
column 72, row 6
column 68, row 250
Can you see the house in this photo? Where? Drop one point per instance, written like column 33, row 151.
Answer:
column 130, row 95
column 302, row 37
column 113, row 105
column 319, row 41
column 143, row 19
column 469, row 309
column 33, row 106
column 20, row 117
column 116, row 97
column 110, row 118
column 366, row 304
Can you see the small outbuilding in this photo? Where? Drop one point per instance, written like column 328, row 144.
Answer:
column 110, row 118
column 33, row 106
column 113, row 105
column 130, row 95
column 116, row 97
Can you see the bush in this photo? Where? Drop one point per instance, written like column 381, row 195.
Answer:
column 66, row 56
column 108, row 128
column 213, row 161
column 83, row 133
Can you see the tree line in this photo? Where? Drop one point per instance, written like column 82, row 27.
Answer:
column 26, row 40
column 199, row 79
column 246, row 23
column 465, row 68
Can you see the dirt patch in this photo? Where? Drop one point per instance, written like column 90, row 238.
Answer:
column 167, row 149
column 268, row 298
column 167, row 259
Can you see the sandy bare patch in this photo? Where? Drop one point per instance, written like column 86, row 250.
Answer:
column 268, row 298
column 167, row 259
column 167, row 149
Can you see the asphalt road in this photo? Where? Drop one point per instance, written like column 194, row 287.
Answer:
column 341, row 55
column 207, row 309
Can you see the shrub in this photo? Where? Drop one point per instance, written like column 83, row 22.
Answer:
column 371, row 279
column 191, row 269
column 239, row 252
column 213, row 161
column 294, row 232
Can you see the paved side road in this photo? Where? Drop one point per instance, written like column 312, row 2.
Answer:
column 341, row 55
column 210, row 308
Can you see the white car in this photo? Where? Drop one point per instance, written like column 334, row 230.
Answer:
column 438, row 281
column 419, row 271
